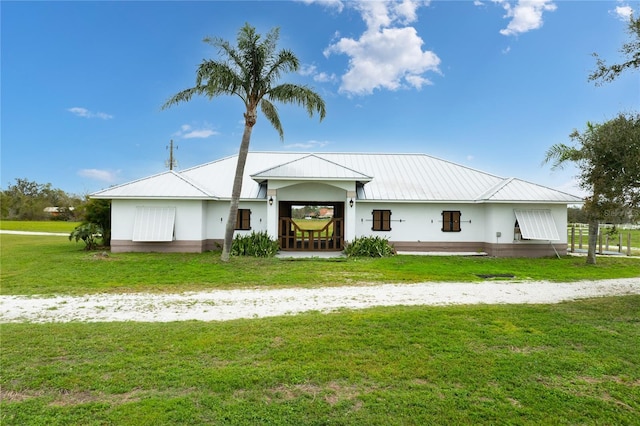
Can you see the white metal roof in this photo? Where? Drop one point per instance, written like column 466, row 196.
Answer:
column 169, row 184
column 514, row 189
column 310, row 167
column 386, row 177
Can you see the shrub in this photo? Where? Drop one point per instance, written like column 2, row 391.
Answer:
column 257, row 244
column 369, row 247
column 87, row 232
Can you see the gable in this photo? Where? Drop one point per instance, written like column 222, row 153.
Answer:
column 310, row 167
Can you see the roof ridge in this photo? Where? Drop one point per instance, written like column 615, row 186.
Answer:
column 283, row 164
column 309, row 155
column 544, row 186
column 494, row 189
column 120, row 185
column 189, row 181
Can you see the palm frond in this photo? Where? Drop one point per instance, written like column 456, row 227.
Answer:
column 559, row 154
column 219, row 79
column 299, row 95
column 183, row 96
column 269, row 110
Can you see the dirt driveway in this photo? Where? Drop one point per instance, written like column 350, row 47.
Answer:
column 222, row 305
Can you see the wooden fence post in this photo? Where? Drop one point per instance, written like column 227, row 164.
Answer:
column 620, row 243
column 573, row 239
column 629, row 244
column 600, row 240
column 580, row 235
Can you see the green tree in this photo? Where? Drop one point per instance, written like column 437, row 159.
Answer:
column 608, row 158
column 26, row 200
column 631, row 52
column 98, row 212
column 251, row 70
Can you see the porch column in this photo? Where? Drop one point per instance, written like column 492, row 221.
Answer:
column 350, row 217
column 272, row 214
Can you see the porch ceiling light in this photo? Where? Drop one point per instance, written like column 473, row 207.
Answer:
column 270, row 201
column 351, row 202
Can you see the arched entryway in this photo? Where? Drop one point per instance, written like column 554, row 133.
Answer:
column 302, row 234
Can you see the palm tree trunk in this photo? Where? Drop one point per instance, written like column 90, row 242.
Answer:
column 594, row 225
column 237, row 189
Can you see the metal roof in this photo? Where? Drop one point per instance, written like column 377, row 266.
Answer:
column 385, row 177
column 169, row 184
column 310, row 167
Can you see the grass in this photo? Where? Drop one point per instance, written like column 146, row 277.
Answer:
column 570, row 363
column 311, row 224
column 38, row 226
column 564, row 364
column 54, row 265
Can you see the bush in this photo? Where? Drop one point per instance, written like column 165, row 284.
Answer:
column 87, row 232
column 369, row 247
column 256, row 244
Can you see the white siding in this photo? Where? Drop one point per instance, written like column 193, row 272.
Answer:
column 422, row 222
column 217, row 213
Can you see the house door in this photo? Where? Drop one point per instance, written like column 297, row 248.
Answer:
column 311, row 226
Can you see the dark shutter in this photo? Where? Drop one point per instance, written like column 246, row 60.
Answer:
column 243, row 219
column 451, row 221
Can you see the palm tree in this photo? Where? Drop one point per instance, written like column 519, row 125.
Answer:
column 251, row 71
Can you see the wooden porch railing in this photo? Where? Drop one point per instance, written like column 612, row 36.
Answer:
column 293, row 237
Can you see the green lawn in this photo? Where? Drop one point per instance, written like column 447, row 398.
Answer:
column 570, row 363
column 566, row 364
column 38, row 226
column 54, row 265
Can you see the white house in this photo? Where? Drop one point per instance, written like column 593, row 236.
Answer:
column 416, row 201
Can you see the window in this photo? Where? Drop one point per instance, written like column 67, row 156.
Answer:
column 381, row 220
column 451, row 221
column 243, row 219
column 517, row 233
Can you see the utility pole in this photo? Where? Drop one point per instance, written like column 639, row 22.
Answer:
column 172, row 162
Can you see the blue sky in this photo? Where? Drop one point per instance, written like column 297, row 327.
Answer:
column 486, row 84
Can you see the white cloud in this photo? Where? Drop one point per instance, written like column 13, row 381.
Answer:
column 526, row 15
column 188, row 132
column 477, row 3
column 623, row 12
column 332, row 4
column 83, row 112
column 323, row 77
column 388, row 55
column 309, row 145
column 101, row 175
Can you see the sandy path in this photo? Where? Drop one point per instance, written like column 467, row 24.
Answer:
column 221, row 305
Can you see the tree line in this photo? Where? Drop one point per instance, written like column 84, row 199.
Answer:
column 29, row 200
